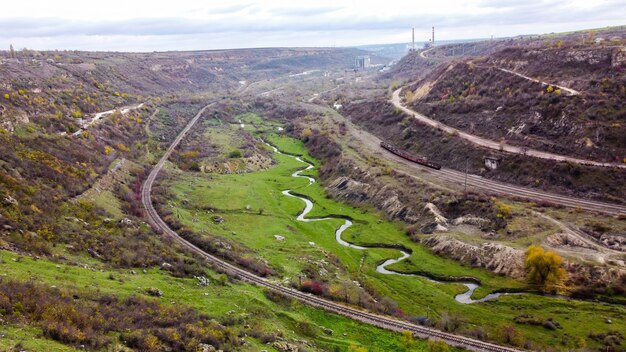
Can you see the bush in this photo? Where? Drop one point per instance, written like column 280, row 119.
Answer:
column 92, row 321
column 235, row 154
column 438, row 346
column 314, row 287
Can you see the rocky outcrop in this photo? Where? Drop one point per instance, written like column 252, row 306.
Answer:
column 495, row 257
column 509, row 261
column 565, row 239
column 384, row 198
column 619, row 58
column 470, row 220
column 584, row 275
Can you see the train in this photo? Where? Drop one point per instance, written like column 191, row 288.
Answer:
column 401, row 153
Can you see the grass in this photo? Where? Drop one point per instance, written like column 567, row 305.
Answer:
column 29, row 339
column 216, row 300
column 255, row 210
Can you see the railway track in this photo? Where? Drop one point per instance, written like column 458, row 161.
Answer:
column 351, row 312
column 371, row 144
column 498, row 188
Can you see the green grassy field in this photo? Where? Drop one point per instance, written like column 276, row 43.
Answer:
column 216, row 300
column 255, row 211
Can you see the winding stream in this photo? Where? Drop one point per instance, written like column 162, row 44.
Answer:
column 465, row 297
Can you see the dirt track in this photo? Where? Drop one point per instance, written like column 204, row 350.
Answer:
column 487, row 143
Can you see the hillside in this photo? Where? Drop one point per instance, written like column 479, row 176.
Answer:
column 265, row 166
column 54, row 90
column 76, row 254
column 484, row 97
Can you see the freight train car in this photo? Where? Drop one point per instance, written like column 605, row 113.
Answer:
column 401, row 153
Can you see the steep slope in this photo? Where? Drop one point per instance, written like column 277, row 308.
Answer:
column 485, row 97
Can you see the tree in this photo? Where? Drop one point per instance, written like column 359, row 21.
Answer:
column 544, row 268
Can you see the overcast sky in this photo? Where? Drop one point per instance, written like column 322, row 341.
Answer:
column 147, row 25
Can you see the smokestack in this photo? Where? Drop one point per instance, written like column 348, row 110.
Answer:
column 433, row 40
column 413, row 33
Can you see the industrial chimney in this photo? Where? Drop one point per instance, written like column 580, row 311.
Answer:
column 413, row 34
column 433, row 40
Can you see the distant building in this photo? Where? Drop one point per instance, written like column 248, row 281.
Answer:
column 362, row 61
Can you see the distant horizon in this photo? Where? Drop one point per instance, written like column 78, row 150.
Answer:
column 147, row 26
column 447, row 41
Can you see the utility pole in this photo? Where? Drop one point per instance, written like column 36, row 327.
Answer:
column 433, row 42
column 466, row 163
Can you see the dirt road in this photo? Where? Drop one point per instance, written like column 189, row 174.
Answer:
column 487, row 143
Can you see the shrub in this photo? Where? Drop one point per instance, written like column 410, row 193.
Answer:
column 305, row 134
column 314, row 287
column 235, row 154
column 92, row 321
column 407, row 338
column 503, row 210
column 77, row 114
column 438, row 346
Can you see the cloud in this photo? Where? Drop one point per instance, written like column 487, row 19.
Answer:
column 300, row 23
column 229, row 9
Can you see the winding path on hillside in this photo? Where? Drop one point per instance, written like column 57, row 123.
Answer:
column 380, row 321
column 98, row 116
column 569, row 91
column 491, row 144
